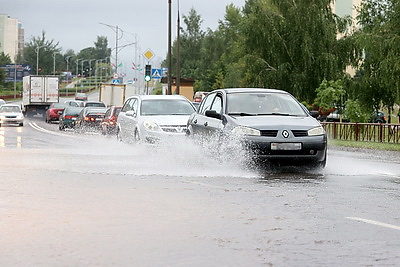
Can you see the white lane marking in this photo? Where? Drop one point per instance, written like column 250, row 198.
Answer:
column 37, row 127
column 374, row 222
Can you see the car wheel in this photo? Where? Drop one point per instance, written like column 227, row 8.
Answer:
column 136, row 137
column 119, row 138
column 21, row 124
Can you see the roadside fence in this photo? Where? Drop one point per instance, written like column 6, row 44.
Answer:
column 371, row 132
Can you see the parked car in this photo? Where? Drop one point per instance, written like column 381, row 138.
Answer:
column 271, row 124
column 109, row 123
column 151, row 118
column 94, row 104
column 74, row 103
column 90, row 118
column 11, row 114
column 335, row 117
column 378, row 117
column 81, row 96
column 54, row 111
column 69, row 117
column 2, row 102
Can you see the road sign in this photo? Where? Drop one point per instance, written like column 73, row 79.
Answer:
column 148, row 54
column 115, row 75
column 156, row 73
column 116, row 81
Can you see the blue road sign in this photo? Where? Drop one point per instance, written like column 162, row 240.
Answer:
column 116, row 81
column 156, row 73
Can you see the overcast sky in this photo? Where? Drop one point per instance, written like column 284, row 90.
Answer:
column 75, row 24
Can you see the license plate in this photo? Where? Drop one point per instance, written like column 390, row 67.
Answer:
column 99, row 119
column 74, row 119
column 285, row 146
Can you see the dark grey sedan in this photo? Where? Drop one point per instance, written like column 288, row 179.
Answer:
column 272, row 125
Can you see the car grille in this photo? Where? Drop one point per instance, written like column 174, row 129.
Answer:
column 173, row 128
column 299, row 133
column 11, row 117
column 269, row 133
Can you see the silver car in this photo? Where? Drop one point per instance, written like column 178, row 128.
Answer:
column 151, row 118
column 272, row 125
column 11, row 114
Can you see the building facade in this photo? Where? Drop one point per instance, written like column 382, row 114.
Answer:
column 11, row 36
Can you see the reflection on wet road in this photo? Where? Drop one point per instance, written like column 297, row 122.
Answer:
column 73, row 200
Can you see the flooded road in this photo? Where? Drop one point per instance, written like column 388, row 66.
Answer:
column 73, row 200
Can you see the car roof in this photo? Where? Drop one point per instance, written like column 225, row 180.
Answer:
column 250, row 90
column 159, row 97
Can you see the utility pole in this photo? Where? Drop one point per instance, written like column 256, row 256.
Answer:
column 169, row 92
column 178, row 58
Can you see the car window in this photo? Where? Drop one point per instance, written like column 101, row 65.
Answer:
column 128, row 105
column 206, row 103
column 217, row 104
column 10, row 109
column 166, row 107
column 263, row 104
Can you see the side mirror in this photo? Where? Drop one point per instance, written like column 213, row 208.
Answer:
column 130, row 113
column 213, row 114
column 314, row 113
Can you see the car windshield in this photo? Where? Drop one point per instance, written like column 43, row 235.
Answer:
column 89, row 104
column 59, row 105
column 5, row 109
column 166, row 107
column 251, row 104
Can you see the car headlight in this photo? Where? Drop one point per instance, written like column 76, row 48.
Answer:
column 242, row 130
column 2, row 117
column 316, row 131
column 151, row 126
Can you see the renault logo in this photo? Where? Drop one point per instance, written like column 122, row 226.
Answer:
column 285, row 133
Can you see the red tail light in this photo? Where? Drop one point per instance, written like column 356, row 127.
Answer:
column 68, row 117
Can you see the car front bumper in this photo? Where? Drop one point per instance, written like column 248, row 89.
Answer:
column 312, row 149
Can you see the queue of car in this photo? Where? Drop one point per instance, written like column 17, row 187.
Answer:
column 271, row 124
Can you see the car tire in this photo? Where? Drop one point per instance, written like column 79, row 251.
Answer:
column 118, row 134
column 136, row 137
column 21, row 124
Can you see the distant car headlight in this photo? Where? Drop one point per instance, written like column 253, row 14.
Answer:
column 316, row 131
column 20, row 116
column 151, row 126
column 242, row 130
column 2, row 117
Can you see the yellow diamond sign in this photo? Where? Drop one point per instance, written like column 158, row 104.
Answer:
column 148, row 54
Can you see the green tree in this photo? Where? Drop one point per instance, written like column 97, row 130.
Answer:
column 4, row 59
column 46, row 50
column 292, row 45
column 379, row 39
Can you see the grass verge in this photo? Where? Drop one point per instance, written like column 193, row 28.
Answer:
column 369, row 145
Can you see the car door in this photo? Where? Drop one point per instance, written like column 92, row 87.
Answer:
column 125, row 115
column 206, row 125
column 198, row 122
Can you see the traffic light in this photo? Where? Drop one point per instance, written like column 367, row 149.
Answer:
column 147, row 74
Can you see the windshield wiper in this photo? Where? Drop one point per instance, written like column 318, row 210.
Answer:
column 243, row 114
column 275, row 114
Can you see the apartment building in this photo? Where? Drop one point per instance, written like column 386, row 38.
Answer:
column 11, row 36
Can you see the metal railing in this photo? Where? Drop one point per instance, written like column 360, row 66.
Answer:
column 371, row 132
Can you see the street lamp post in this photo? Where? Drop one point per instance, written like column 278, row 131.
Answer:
column 116, row 30
column 169, row 50
column 67, row 60
column 37, row 58
column 54, row 63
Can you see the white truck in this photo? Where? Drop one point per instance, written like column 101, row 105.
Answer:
column 115, row 94
column 39, row 92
